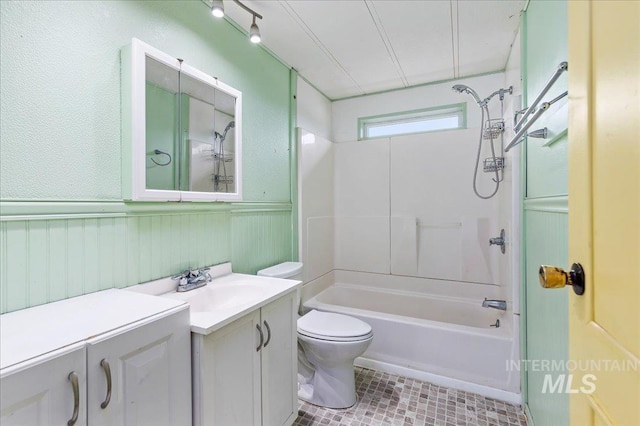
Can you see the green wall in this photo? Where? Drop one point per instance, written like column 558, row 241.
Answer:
column 64, row 229
column 545, row 225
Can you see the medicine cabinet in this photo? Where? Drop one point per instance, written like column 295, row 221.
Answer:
column 181, row 130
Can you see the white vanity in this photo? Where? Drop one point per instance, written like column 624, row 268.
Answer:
column 245, row 373
column 107, row 358
column 123, row 357
column 244, row 348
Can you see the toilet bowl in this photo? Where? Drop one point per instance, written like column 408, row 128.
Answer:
column 329, row 344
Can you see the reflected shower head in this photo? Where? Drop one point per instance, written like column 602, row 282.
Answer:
column 461, row 88
column 223, row 136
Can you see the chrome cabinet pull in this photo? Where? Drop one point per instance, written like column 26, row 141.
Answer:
column 107, row 372
column 266, row 324
column 73, row 378
column 261, row 337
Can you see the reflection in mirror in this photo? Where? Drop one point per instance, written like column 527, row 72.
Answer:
column 161, row 125
column 208, row 123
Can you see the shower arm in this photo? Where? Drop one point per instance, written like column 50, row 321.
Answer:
column 562, row 67
column 545, row 106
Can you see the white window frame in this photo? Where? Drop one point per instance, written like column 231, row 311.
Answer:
column 459, row 111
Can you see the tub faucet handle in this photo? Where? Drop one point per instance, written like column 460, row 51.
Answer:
column 498, row 241
column 495, row 304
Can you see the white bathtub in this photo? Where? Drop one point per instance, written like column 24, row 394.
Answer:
column 443, row 340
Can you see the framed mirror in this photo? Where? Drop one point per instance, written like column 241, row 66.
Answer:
column 181, row 130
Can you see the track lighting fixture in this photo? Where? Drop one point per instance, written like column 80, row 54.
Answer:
column 217, row 10
column 254, row 32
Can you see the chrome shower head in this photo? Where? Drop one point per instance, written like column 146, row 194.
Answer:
column 461, row 88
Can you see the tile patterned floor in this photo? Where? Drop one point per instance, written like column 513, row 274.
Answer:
column 388, row 399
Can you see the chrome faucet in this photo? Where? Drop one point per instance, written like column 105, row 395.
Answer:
column 192, row 279
column 495, row 304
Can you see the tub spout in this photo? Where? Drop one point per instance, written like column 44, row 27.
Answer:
column 495, row 304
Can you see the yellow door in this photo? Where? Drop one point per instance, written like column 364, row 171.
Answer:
column 604, row 210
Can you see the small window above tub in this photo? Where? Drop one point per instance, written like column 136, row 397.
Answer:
column 446, row 117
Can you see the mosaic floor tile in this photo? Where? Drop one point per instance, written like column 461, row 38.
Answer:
column 388, row 399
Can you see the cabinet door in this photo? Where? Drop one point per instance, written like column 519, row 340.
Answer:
column 150, row 369
column 227, row 370
column 40, row 392
column 280, row 362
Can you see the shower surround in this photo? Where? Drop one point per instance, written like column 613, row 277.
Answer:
column 402, row 209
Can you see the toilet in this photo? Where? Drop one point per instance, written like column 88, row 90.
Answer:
column 328, row 343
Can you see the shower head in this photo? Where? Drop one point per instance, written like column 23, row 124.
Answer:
column 461, row 88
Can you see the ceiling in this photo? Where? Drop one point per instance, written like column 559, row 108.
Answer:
column 355, row 47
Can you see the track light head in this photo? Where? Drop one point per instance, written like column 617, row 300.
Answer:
column 217, row 8
column 254, row 32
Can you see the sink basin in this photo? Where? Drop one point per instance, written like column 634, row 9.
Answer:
column 225, row 299
column 222, row 296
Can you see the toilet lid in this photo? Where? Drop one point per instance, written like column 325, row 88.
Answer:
column 329, row 325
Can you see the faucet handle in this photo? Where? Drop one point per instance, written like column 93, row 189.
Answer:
column 192, row 275
column 183, row 274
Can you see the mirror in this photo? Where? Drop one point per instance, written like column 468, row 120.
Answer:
column 184, row 130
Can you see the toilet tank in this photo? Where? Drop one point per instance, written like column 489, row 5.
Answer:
column 287, row 270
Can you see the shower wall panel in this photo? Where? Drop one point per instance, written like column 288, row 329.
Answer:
column 405, row 205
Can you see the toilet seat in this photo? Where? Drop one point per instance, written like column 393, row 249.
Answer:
column 333, row 327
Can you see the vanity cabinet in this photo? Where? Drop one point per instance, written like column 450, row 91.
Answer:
column 246, row 372
column 130, row 354
column 41, row 391
column 141, row 374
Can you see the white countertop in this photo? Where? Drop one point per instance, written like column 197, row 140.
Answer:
column 210, row 321
column 32, row 332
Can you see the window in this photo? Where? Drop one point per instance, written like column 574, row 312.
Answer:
column 427, row 120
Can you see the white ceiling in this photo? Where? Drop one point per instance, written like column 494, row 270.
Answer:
column 354, row 47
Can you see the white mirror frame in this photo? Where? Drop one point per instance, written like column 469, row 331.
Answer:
column 134, row 127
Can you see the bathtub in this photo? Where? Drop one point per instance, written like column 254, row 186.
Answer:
column 434, row 337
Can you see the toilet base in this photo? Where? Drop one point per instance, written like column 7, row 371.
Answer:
column 332, row 387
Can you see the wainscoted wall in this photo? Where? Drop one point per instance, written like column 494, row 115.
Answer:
column 260, row 238
column 64, row 228
column 545, row 221
column 44, row 259
column 546, row 237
